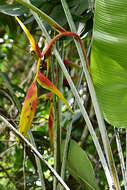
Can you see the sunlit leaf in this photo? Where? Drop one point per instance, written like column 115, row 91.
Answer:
column 46, row 83
column 109, row 60
column 28, row 109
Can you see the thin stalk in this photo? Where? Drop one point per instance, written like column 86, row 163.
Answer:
column 122, row 163
column 60, row 83
column 38, row 163
column 58, row 136
column 57, row 162
column 15, row 131
column 83, row 111
column 59, row 103
column 24, row 158
column 58, row 116
column 56, row 154
column 68, row 135
column 126, row 158
column 58, row 110
column 69, row 128
column 100, row 120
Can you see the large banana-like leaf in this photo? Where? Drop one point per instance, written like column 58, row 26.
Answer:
column 109, row 59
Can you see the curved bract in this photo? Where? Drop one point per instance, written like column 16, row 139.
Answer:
column 28, row 109
column 109, row 59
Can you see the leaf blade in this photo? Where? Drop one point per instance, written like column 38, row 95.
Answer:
column 108, row 60
column 44, row 16
column 80, row 166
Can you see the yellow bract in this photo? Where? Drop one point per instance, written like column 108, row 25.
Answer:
column 30, row 37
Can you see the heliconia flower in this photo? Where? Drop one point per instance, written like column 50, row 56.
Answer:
column 46, row 83
column 28, row 109
column 34, row 46
column 47, row 96
column 50, row 125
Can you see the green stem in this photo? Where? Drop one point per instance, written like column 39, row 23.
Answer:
column 59, row 105
column 58, row 113
column 54, row 124
column 100, row 120
column 121, row 157
column 69, row 128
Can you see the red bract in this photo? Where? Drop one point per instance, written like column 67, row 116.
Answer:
column 46, row 83
column 46, row 96
column 28, row 109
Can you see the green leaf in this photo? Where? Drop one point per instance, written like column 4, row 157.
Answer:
column 44, row 16
column 58, row 15
column 80, row 166
column 109, row 60
column 13, row 9
column 78, row 7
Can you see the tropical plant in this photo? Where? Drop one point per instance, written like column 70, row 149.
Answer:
column 61, row 150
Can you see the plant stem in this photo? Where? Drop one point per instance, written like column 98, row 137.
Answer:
column 56, row 154
column 35, row 151
column 38, row 163
column 126, row 158
column 100, row 120
column 121, row 157
column 69, row 128
column 24, row 158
